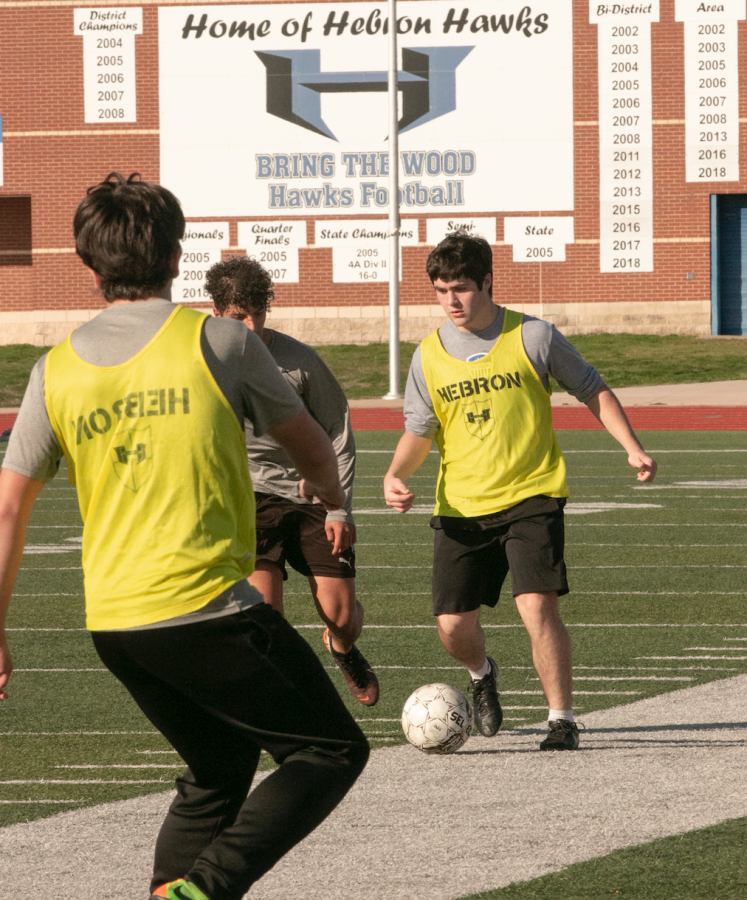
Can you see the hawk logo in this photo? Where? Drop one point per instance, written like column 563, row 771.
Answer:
column 478, row 417
column 132, row 459
column 295, row 84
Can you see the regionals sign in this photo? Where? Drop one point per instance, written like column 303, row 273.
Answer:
column 278, row 110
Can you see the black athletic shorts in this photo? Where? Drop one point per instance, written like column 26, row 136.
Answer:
column 294, row 533
column 471, row 557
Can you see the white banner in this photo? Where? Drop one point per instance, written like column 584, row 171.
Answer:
column 626, row 194
column 360, row 248
column 274, row 245
column 438, row 229
column 281, row 109
column 201, row 249
column 109, row 62
column 711, row 88
column 538, row 239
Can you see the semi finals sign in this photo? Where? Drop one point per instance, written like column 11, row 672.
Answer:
column 276, row 110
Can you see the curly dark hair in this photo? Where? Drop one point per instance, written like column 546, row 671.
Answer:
column 240, row 283
column 461, row 255
column 127, row 231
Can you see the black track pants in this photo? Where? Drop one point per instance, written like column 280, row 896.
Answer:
column 220, row 691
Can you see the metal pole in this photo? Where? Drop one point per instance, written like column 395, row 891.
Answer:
column 394, row 223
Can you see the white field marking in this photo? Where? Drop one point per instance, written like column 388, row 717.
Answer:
column 156, row 752
column 60, row 670
column 724, row 658
column 55, row 594
column 39, row 549
column 70, row 733
column 573, row 625
column 630, row 678
column 46, row 629
column 722, row 649
column 124, row 766
column 735, row 639
column 69, row 527
column 651, row 668
column 585, row 693
column 615, row 452
column 733, row 483
column 660, row 593
column 85, row 800
column 580, row 544
column 51, row 568
column 84, row 781
column 686, row 566
column 693, row 566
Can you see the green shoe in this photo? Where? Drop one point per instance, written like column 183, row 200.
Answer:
column 178, row 890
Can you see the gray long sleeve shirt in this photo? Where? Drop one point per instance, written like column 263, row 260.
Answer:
column 548, row 351
column 272, row 470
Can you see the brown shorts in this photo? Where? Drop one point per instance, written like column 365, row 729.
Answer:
column 294, row 533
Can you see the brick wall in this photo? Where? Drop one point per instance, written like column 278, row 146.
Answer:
column 52, row 156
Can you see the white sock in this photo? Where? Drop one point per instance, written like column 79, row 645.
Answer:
column 566, row 714
column 476, row 675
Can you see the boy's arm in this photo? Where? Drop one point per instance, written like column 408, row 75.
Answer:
column 17, row 496
column 412, row 451
column 311, row 451
column 606, row 407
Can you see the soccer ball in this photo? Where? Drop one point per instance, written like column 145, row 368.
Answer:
column 437, row 718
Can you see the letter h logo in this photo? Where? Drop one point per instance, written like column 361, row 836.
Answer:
column 295, row 83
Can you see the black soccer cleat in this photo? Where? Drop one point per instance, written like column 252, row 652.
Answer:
column 359, row 676
column 487, row 706
column 563, row 735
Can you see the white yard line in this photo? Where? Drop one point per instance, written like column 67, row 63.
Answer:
column 660, row 766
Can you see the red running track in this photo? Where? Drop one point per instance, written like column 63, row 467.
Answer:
column 642, row 418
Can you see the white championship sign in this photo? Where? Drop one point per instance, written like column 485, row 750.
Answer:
column 201, row 249
column 626, row 193
column 360, row 248
column 711, row 88
column 109, row 62
column 274, row 245
column 275, row 110
column 438, row 229
column 538, row 239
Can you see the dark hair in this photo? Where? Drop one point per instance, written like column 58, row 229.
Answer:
column 241, row 283
column 127, row 232
column 461, row 255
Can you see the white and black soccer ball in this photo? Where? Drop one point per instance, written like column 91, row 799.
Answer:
column 437, row 718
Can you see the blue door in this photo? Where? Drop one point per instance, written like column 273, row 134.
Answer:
column 729, row 263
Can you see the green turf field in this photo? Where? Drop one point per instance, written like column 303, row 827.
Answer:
column 657, row 604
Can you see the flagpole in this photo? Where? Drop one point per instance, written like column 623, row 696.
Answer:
column 394, row 221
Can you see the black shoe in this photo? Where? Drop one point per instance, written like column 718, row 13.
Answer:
column 563, row 735
column 488, row 712
column 359, row 676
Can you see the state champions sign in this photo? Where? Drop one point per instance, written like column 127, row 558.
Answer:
column 281, row 110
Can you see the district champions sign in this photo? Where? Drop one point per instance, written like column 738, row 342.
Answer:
column 281, row 110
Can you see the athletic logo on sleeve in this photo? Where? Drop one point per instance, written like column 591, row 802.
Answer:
column 132, row 458
column 478, row 417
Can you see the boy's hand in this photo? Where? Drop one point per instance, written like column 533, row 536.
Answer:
column 647, row 467
column 341, row 535
column 6, row 667
column 397, row 494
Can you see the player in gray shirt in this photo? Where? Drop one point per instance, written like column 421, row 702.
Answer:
column 317, row 544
